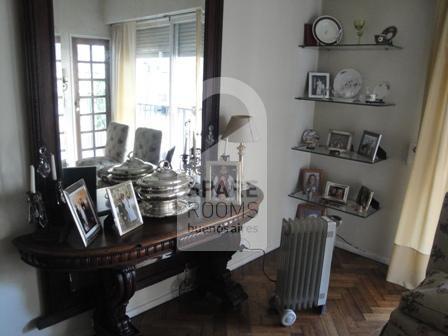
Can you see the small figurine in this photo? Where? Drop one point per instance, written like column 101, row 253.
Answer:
column 386, row 36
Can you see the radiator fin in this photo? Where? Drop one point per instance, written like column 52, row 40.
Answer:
column 306, row 250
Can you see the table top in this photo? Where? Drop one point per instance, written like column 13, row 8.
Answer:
column 153, row 238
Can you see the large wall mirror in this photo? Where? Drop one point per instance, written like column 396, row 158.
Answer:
column 100, row 71
column 126, row 65
column 93, row 64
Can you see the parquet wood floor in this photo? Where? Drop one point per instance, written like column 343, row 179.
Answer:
column 360, row 302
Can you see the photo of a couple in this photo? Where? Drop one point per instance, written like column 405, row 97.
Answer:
column 125, row 207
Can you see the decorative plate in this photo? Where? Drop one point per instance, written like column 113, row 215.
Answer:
column 310, row 136
column 382, row 90
column 347, row 83
column 327, row 30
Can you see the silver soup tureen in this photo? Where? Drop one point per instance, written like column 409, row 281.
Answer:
column 132, row 169
column 164, row 192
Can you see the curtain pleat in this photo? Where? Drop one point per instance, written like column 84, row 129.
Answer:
column 123, row 73
column 429, row 178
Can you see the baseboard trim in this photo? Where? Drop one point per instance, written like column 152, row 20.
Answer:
column 166, row 296
column 344, row 246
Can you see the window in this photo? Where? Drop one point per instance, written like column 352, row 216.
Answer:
column 92, row 97
column 169, row 78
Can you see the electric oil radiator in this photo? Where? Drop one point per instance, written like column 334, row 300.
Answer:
column 303, row 276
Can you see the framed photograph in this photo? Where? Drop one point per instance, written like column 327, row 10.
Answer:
column 336, row 192
column 83, row 211
column 310, row 210
column 364, row 198
column 224, row 182
column 370, row 142
column 318, row 85
column 339, row 141
column 311, row 180
column 125, row 207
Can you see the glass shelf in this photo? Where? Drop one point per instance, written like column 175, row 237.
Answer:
column 341, row 101
column 351, row 156
column 350, row 208
column 353, row 46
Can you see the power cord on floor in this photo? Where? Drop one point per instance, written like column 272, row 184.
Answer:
column 243, row 247
column 350, row 244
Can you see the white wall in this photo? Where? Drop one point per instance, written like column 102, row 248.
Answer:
column 406, row 71
column 80, row 17
column 260, row 48
column 18, row 282
column 119, row 10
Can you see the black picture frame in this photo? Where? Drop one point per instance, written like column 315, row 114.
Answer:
column 85, row 218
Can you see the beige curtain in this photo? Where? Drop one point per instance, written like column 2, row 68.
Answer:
column 429, row 178
column 123, row 73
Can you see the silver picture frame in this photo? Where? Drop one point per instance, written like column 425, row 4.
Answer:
column 339, row 141
column 369, row 145
column 336, row 192
column 223, row 182
column 125, row 208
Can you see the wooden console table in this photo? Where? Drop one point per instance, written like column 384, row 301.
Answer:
column 111, row 261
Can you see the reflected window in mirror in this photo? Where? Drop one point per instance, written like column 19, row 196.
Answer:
column 169, row 63
column 140, row 69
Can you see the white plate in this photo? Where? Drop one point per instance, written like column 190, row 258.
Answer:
column 382, row 90
column 347, row 83
column 327, row 30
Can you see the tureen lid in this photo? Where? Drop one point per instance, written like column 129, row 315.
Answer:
column 164, row 177
column 132, row 167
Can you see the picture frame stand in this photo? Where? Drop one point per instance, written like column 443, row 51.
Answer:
column 375, row 204
column 381, row 154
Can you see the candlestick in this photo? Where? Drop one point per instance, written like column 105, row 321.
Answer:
column 225, row 146
column 32, row 180
column 185, row 146
column 54, row 173
column 194, row 142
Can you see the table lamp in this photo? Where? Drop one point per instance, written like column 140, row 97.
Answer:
column 240, row 129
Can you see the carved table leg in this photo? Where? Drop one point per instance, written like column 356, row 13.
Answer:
column 110, row 316
column 213, row 275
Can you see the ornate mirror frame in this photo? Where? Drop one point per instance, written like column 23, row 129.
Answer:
column 41, row 98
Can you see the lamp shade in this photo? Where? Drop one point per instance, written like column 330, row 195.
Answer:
column 240, row 129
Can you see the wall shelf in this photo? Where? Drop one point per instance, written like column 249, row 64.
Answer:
column 353, row 46
column 351, row 156
column 350, row 208
column 340, row 101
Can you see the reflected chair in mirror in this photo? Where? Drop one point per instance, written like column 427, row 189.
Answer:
column 424, row 310
column 114, row 153
column 147, row 145
column 169, row 155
